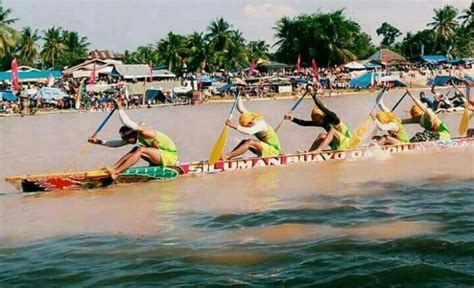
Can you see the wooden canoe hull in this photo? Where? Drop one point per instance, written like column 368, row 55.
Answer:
column 100, row 178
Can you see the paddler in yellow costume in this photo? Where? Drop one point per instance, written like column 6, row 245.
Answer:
column 388, row 121
column 267, row 143
column 152, row 146
column 420, row 114
column 337, row 135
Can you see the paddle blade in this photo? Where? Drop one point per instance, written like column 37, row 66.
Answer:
column 218, row 148
column 464, row 124
column 279, row 125
column 359, row 133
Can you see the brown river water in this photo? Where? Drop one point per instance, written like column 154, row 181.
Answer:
column 223, row 213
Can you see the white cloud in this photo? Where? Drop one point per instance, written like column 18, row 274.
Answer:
column 269, row 10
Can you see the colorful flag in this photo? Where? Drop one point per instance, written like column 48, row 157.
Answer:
column 15, row 77
column 298, row 63
column 315, row 69
column 251, row 69
column 92, row 78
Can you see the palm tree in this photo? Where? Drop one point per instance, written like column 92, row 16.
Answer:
column 28, row 46
column 235, row 56
column 198, row 51
column 466, row 17
column 445, row 23
column 53, row 46
column 8, row 35
column 258, row 49
column 337, row 38
column 74, row 43
column 145, row 55
column 171, row 50
column 219, row 35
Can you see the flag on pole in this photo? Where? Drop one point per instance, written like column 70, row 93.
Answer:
column 92, row 78
column 251, row 69
column 15, row 77
column 298, row 63
column 50, row 81
column 315, row 69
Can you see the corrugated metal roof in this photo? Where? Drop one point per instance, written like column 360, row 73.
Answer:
column 104, row 54
column 131, row 71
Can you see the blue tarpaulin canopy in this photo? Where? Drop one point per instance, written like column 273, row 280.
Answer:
column 156, row 94
column 226, row 88
column 434, row 59
column 365, row 80
column 7, row 95
column 48, row 93
column 443, row 80
column 31, row 75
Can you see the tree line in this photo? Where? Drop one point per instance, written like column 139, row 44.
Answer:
column 330, row 38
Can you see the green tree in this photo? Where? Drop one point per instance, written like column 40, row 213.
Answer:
column 258, row 49
column 330, row 38
column 171, row 51
column 466, row 17
column 53, row 46
column 390, row 34
column 8, row 35
column 444, row 25
column 28, row 47
column 75, row 49
column 198, row 50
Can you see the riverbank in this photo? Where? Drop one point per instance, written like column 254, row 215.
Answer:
column 219, row 99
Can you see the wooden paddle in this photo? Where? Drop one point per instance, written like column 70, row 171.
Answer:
column 362, row 129
column 85, row 145
column 293, row 108
column 399, row 101
column 218, row 148
column 464, row 123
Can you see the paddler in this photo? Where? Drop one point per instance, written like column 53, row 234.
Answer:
column 337, row 134
column 267, row 143
column 152, row 146
column 388, row 121
column 420, row 114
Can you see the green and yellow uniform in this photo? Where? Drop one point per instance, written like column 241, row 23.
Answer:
column 168, row 151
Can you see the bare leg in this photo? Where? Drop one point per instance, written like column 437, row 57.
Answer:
column 151, row 154
column 333, row 133
column 318, row 141
column 387, row 140
column 243, row 147
column 124, row 158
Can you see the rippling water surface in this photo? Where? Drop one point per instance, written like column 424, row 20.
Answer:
column 403, row 220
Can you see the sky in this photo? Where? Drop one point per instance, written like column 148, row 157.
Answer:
column 126, row 24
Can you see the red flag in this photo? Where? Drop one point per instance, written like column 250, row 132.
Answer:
column 298, row 63
column 15, row 78
column 151, row 74
column 251, row 69
column 92, row 78
column 315, row 69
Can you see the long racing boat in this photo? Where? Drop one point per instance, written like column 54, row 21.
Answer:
column 100, row 178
